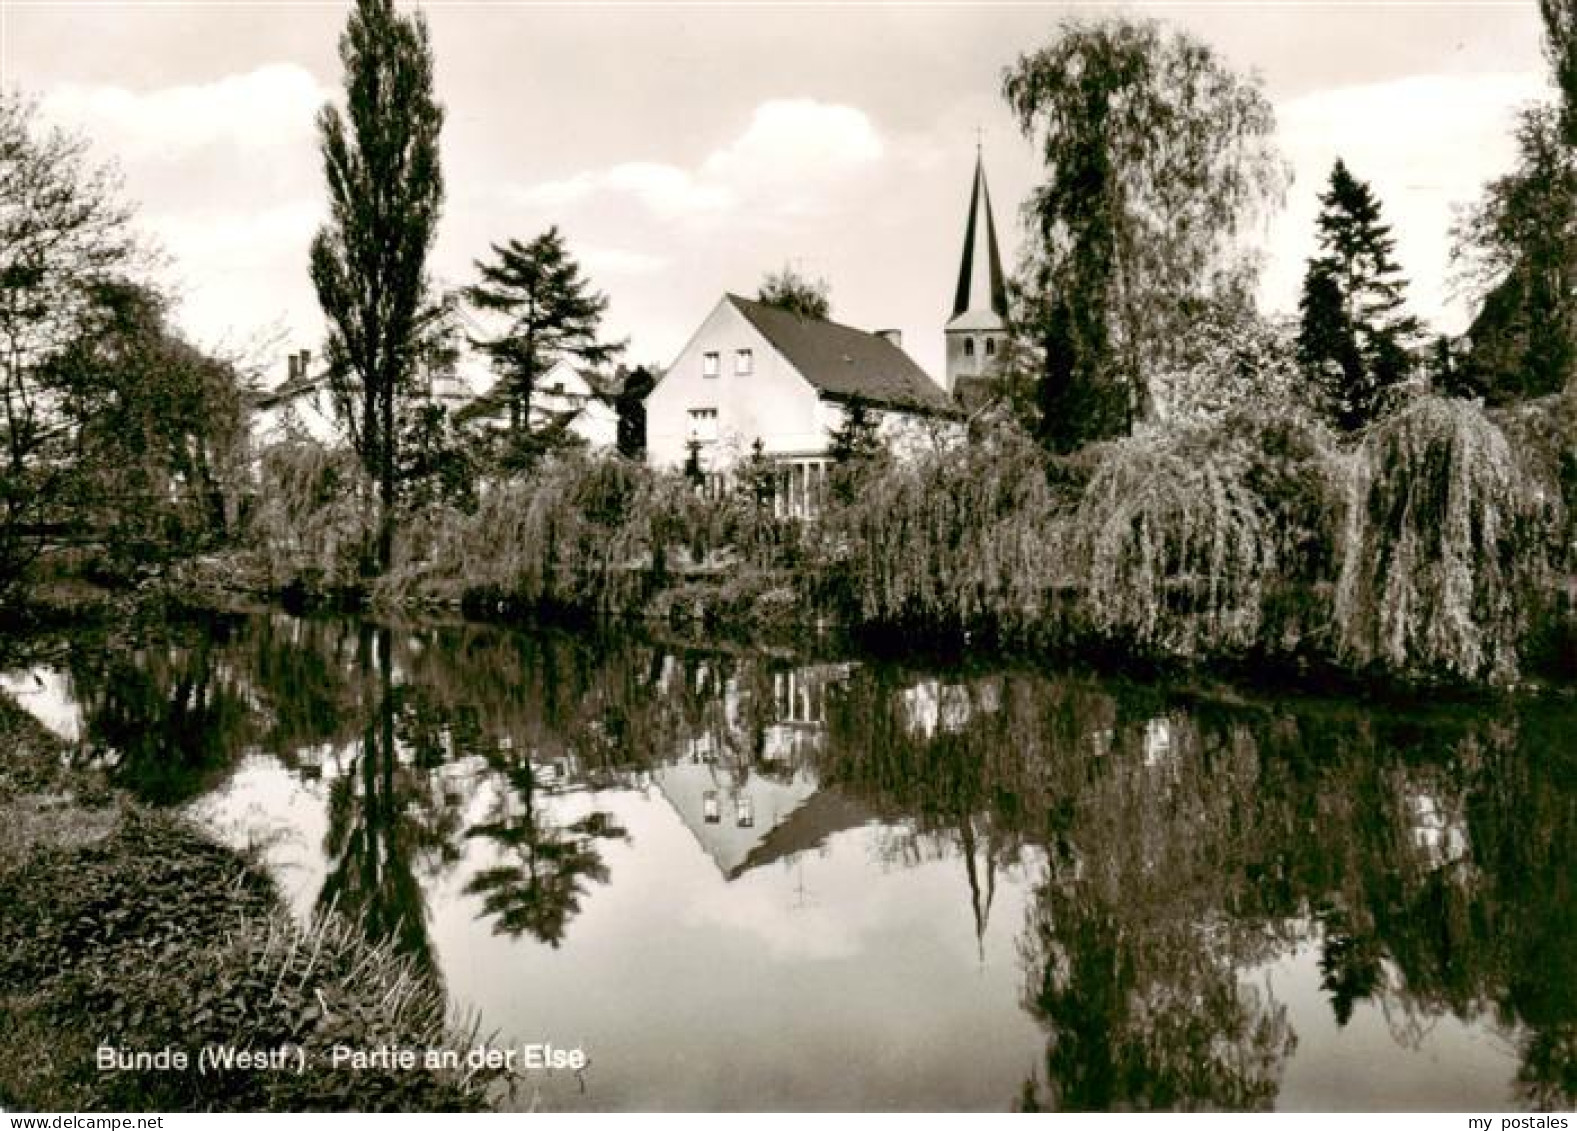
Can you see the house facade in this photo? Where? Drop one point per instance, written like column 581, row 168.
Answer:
column 299, row 408
column 753, row 373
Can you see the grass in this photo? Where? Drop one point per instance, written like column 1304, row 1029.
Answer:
column 132, row 929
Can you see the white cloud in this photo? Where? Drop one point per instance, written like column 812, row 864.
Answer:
column 791, row 158
column 619, row 261
column 1426, row 144
column 231, row 239
column 272, row 107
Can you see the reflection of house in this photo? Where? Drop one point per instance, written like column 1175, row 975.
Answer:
column 782, row 729
column 931, row 707
column 744, row 821
column 756, row 373
column 1439, row 827
column 799, row 710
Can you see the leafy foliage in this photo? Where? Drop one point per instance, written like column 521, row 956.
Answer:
column 385, row 187
column 308, row 528
column 64, row 239
column 1231, row 360
column 856, row 448
column 1157, row 155
column 1354, row 342
column 789, row 290
column 158, row 436
column 1518, row 249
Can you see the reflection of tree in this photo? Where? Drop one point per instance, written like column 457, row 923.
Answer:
column 1144, row 1013
column 173, row 716
column 384, row 817
column 1427, row 856
column 305, row 671
column 541, row 890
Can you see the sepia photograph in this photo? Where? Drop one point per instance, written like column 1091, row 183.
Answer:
column 668, row 555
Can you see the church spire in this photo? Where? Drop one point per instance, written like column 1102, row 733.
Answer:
column 980, row 286
column 978, row 329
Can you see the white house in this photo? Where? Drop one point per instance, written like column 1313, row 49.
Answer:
column 754, row 372
column 302, row 406
column 566, row 397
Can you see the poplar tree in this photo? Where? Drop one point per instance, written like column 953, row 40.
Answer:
column 381, row 162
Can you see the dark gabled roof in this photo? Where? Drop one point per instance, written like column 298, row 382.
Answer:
column 826, row 813
column 844, row 363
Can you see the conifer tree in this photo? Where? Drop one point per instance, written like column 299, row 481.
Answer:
column 553, row 314
column 1354, row 340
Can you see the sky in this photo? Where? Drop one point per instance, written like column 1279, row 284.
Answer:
column 685, row 150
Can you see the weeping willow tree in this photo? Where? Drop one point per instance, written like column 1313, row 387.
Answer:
column 1206, row 541
column 959, row 539
column 308, row 526
column 1175, row 551
column 592, row 534
column 1443, row 548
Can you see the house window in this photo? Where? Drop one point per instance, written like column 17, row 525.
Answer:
column 703, row 424
column 744, row 363
column 710, row 813
column 969, row 347
column 991, row 347
column 744, row 812
column 709, row 364
column 558, row 388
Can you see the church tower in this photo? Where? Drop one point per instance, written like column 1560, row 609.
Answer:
column 977, row 330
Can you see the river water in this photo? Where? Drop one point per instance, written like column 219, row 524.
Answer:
column 738, row 879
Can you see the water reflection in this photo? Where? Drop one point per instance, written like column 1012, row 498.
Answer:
column 1180, row 901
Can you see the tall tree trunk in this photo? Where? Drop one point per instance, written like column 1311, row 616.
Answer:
column 386, row 483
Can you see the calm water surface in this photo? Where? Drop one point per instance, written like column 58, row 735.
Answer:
column 741, row 880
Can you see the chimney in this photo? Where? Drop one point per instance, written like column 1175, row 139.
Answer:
column 306, row 361
column 295, row 366
column 893, row 336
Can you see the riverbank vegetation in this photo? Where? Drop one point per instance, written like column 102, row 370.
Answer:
column 127, row 928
